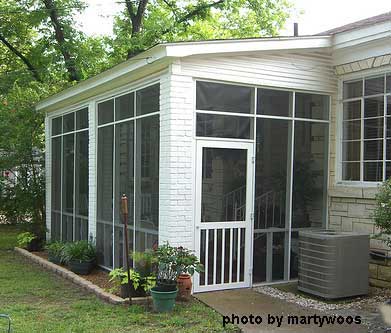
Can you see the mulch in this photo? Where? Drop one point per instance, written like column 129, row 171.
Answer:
column 98, row 276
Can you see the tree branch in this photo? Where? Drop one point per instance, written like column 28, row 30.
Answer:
column 136, row 18
column 60, row 38
column 196, row 11
column 28, row 64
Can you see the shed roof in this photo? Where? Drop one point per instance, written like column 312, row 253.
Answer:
column 359, row 24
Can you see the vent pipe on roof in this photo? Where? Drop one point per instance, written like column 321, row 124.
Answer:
column 296, row 29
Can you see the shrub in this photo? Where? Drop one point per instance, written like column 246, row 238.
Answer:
column 25, row 238
column 56, row 249
column 382, row 212
column 81, row 251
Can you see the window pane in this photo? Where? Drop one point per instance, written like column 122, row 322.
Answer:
column 147, row 182
column 352, row 110
column 351, row 171
column 69, row 122
column 311, row 106
column 148, row 100
column 352, row 89
column 104, row 223
column 67, row 188
column 388, row 83
column 223, row 97
column 373, row 171
column 309, row 174
column 271, row 169
column 388, row 106
column 223, row 197
column 278, row 256
column 124, row 106
column 374, row 86
column 56, row 188
column 373, row 150
column 124, row 184
column 124, row 166
column 373, row 128
column 352, row 130
column 81, row 186
column 56, row 125
column 224, row 126
column 388, row 170
column 274, row 102
column 374, row 107
column 106, row 112
column 388, row 125
column 82, row 119
column 351, row 151
column 388, row 149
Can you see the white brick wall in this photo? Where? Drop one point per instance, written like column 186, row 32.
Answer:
column 176, row 161
column 92, row 171
column 48, row 177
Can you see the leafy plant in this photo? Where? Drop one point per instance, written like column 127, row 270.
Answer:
column 382, row 212
column 81, row 251
column 56, row 249
column 119, row 276
column 25, row 238
column 144, row 262
column 187, row 262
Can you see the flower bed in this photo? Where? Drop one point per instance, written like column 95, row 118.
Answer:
column 96, row 282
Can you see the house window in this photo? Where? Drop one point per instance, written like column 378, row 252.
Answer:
column 69, row 178
column 366, row 129
column 128, row 163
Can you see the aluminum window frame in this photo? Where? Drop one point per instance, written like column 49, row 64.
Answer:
column 292, row 118
column 114, row 123
column 340, row 128
column 73, row 110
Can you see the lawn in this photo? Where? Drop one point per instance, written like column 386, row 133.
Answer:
column 39, row 301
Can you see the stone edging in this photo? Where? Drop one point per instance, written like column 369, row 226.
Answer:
column 85, row 284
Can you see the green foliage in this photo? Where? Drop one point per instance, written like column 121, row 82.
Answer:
column 81, row 251
column 119, row 276
column 55, row 249
column 144, row 262
column 25, row 238
column 173, row 261
column 382, row 212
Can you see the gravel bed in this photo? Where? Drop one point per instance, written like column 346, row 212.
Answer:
column 370, row 302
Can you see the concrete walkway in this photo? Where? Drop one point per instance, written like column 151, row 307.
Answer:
column 244, row 302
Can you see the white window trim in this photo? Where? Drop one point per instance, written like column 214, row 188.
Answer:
column 339, row 128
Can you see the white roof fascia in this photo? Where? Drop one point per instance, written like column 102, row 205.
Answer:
column 362, row 36
column 152, row 55
column 186, row 49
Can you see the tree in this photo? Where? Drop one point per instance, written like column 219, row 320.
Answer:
column 145, row 23
column 43, row 51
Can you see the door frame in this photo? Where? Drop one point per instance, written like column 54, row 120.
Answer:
column 247, row 224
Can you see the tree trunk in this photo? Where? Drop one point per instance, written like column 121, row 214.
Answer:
column 59, row 35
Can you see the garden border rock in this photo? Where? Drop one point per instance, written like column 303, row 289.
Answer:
column 85, row 284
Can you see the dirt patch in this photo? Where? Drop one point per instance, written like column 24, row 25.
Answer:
column 98, row 276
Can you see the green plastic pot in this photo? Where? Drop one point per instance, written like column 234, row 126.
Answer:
column 163, row 301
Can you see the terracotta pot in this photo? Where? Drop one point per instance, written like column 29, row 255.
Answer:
column 184, row 287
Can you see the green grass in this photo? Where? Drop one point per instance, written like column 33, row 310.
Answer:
column 39, row 301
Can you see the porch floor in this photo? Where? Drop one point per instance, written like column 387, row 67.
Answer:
column 243, row 302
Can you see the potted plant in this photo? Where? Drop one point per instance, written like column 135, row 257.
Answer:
column 140, row 286
column 28, row 241
column 56, row 252
column 187, row 264
column 165, row 291
column 80, row 256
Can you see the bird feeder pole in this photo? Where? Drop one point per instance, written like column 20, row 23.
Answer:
column 124, row 210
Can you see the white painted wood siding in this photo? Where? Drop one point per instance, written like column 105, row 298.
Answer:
column 308, row 70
